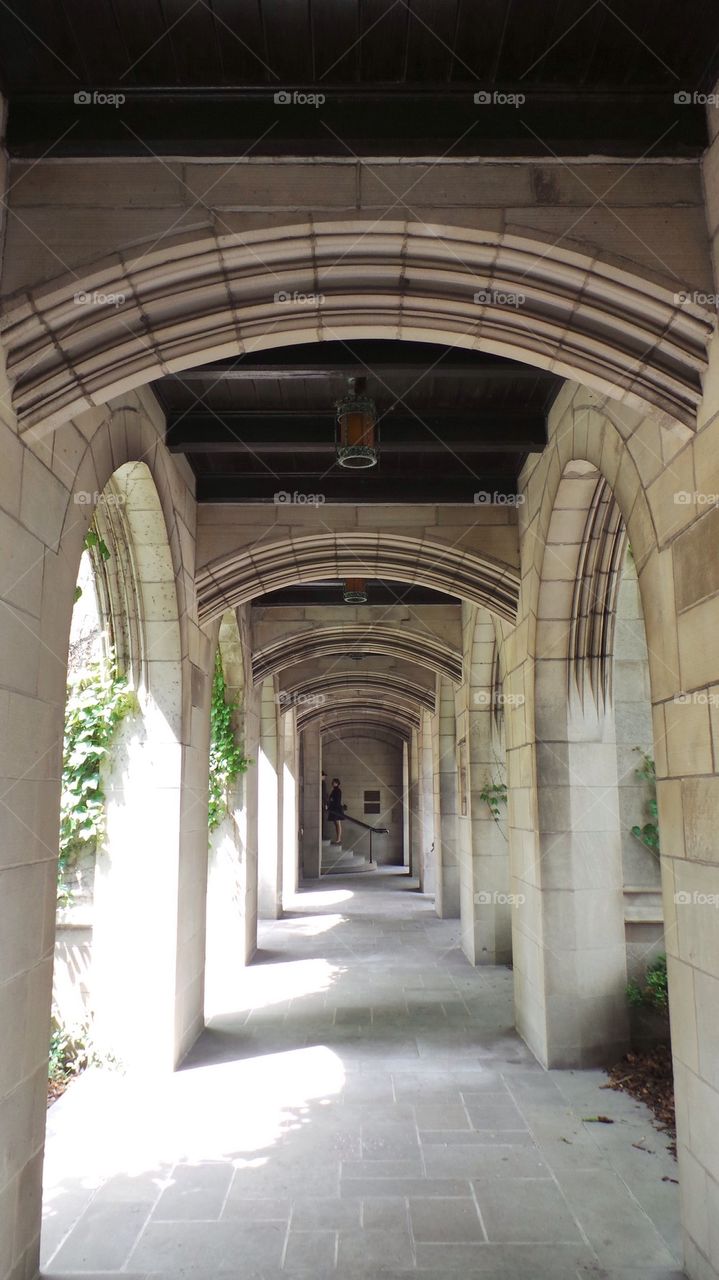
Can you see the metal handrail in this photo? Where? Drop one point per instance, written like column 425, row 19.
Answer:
column 379, row 831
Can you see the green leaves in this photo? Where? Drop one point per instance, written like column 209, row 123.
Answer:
column 93, row 539
column 494, row 795
column 654, row 991
column 97, row 700
column 648, row 834
column 227, row 760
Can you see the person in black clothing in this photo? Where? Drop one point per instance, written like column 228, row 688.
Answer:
column 335, row 809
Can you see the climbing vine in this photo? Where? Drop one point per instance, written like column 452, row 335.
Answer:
column 654, row 991
column 648, row 834
column 227, row 760
column 494, row 795
column 97, row 700
column 93, row 539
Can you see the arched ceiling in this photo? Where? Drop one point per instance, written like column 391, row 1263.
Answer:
column 414, row 646
column 358, row 684
column 215, row 296
column 267, row 565
column 393, row 709
column 352, row 717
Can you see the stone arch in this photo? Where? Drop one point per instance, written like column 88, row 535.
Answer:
column 400, row 642
column 370, row 730
column 389, row 710
column 371, row 682
column 621, row 332
column 365, row 718
column 673, row 543
column 67, row 474
column 245, row 574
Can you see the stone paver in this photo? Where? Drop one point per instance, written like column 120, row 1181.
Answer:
column 368, row 1112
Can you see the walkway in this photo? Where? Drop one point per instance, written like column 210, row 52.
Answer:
column 370, row 1113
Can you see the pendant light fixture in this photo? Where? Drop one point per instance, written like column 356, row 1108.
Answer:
column 356, row 428
column 354, row 591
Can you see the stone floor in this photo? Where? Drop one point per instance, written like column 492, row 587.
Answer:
column 368, row 1112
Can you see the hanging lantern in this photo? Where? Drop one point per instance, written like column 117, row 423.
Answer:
column 356, row 428
column 354, row 591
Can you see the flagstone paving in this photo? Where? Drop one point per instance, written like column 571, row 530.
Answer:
column 366, row 1111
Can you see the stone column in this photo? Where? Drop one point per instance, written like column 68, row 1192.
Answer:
column 426, row 867
column 491, row 938
column 447, row 887
column 290, row 811
column 488, row 939
column 406, row 824
column 252, row 749
column 269, row 863
column 415, row 819
column 311, row 802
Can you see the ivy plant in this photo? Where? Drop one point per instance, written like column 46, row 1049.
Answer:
column 654, row 991
column 227, row 760
column 494, row 795
column 93, row 539
column 97, row 700
column 648, row 834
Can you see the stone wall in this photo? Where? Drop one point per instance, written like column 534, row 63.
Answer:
column 368, row 763
column 74, row 212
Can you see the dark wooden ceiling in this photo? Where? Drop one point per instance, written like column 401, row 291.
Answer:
column 452, row 423
column 203, row 73
column 379, row 592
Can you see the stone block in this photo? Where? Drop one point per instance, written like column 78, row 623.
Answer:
column 688, row 740
column 698, row 652
column 700, row 799
column 696, row 564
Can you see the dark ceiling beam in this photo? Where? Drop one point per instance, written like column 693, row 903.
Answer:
column 351, row 489
column 289, row 431
column 355, row 119
column 378, row 593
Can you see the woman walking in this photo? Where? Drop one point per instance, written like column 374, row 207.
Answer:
column 335, row 810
